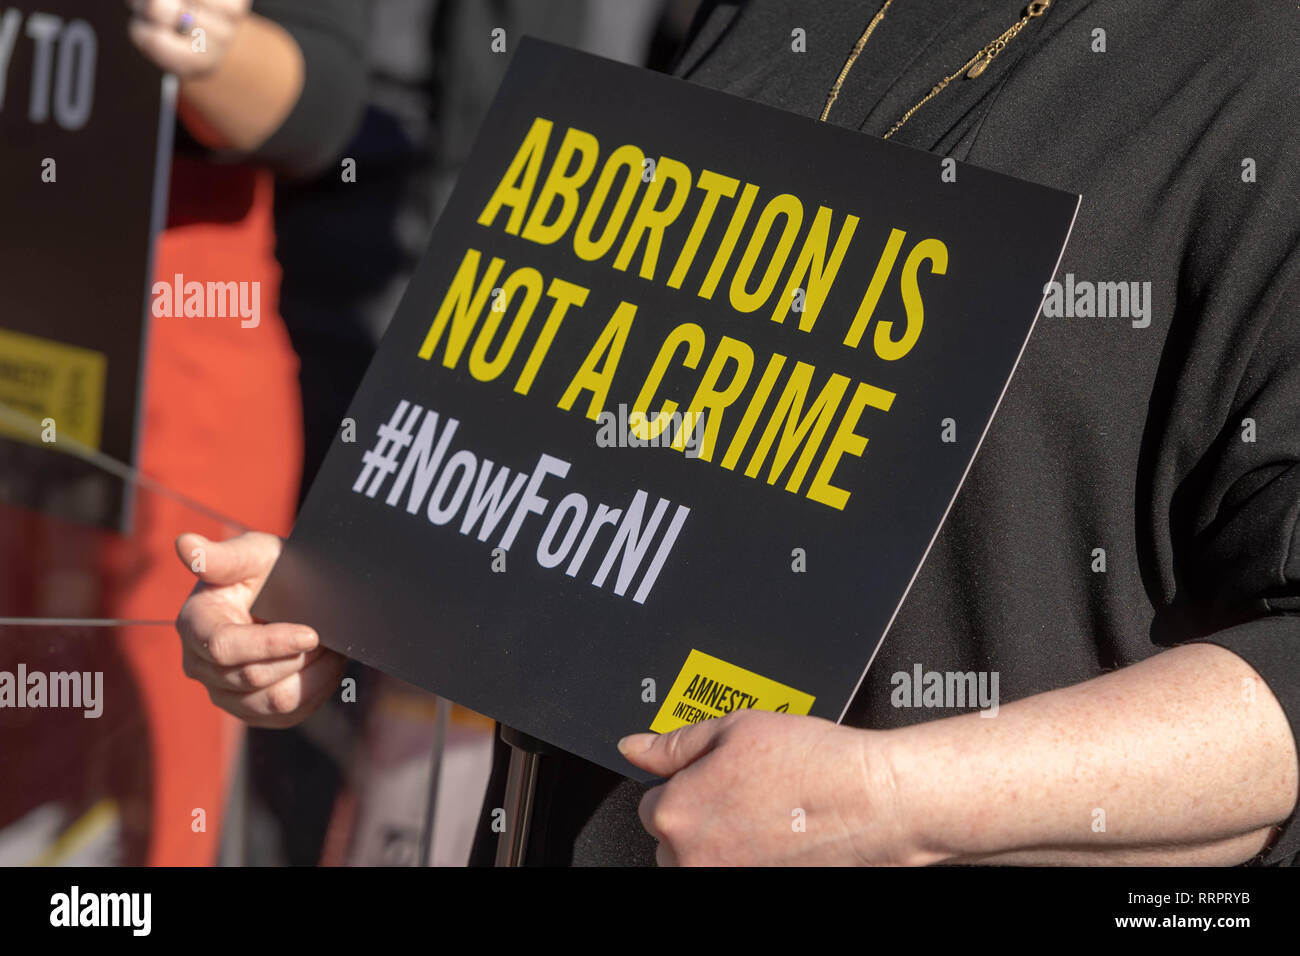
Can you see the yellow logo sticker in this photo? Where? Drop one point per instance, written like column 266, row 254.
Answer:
column 46, row 379
column 708, row 687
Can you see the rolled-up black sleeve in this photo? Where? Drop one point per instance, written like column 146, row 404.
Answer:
column 1221, row 449
column 332, row 36
column 1270, row 646
column 1239, row 557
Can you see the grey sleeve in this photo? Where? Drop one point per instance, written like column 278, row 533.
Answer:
column 332, row 36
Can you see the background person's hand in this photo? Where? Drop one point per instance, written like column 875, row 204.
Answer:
column 269, row 675
column 163, row 30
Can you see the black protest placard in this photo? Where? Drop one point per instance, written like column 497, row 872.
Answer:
column 671, row 412
column 85, row 139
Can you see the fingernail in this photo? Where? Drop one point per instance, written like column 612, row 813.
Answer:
column 635, row 744
column 306, row 640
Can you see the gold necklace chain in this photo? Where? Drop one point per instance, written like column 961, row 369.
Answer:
column 972, row 68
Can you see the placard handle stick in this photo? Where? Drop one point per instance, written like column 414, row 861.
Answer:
column 521, row 784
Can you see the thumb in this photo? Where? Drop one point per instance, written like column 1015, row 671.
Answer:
column 665, row 754
column 250, row 555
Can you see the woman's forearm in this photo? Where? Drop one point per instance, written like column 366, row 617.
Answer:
column 1185, row 758
column 250, row 93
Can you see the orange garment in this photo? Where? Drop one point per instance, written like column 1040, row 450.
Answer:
column 221, row 425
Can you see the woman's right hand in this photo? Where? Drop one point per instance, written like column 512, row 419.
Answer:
column 269, row 675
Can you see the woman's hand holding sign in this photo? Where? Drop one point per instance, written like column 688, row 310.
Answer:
column 269, row 675
column 1050, row 781
column 761, row 788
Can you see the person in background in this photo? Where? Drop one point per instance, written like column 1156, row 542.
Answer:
column 274, row 87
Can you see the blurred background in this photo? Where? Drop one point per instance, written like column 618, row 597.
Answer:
column 293, row 154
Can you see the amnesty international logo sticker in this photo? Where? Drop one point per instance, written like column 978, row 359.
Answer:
column 708, row 687
column 46, row 379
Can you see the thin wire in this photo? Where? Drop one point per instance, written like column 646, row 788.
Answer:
column 118, row 469
column 80, row 622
